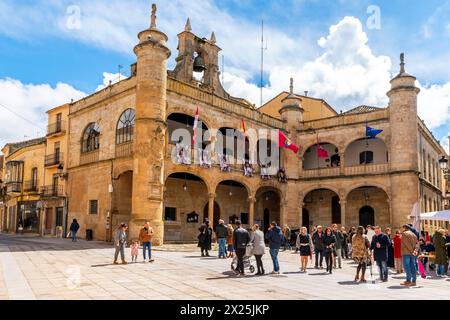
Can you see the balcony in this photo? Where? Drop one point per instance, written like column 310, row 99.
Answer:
column 367, row 169
column 52, row 191
column 53, row 159
column 30, row 186
column 14, row 187
column 89, row 157
column 56, row 128
column 321, row 172
column 124, row 149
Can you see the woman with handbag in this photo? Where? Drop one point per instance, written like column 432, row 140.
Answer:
column 205, row 238
column 329, row 241
column 360, row 252
column 304, row 244
column 259, row 248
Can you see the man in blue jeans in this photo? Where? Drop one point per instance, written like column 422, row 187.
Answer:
column 275, row 237
column 379, row 245
column 221, row 235
column 145, row 237
column 410, row 247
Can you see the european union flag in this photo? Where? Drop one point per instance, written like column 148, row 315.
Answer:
column 372, row 132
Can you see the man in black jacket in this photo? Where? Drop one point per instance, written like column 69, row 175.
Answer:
column 338, row 246
column 241, row 238
column 221, row 235
column 317, row 239
column 379, row 245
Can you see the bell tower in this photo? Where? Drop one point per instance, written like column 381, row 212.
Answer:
column 403, row 145
column 197, row 54
column 150, row 131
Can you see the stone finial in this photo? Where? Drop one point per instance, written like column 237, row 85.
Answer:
column 213, row 38
column 291, row 86
column 402, row 62
column 188, row 27
column 153, row 18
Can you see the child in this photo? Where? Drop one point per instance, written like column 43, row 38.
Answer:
column 134, row 250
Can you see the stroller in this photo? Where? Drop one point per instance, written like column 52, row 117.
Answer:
column 247, row 261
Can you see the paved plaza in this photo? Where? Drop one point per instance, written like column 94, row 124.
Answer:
column 47, row 268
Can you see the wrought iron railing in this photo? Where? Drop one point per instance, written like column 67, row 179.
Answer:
column 57, row 127
column 53, row 159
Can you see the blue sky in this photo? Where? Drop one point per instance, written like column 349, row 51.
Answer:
column 348, row 65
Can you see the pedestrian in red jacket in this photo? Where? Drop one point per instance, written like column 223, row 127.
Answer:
column 398, row 252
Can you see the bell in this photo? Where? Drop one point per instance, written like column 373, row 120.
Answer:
column 199, row 64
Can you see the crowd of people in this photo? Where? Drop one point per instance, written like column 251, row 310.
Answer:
column 408, row 251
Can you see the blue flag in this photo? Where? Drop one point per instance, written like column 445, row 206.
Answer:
column 372, row 132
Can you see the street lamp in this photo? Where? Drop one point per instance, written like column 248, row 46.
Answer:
column 63, row 175
column 443, row 163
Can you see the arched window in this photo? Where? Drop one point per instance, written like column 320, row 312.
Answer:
column 125, row 127
column 91, row 138
column 366, row 157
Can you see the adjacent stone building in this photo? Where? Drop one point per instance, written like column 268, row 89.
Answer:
column 125, row 161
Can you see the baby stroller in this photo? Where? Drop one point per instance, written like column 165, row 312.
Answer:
column 247, row 261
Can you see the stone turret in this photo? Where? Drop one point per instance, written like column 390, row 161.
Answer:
column 150, row 130
column 403, row 145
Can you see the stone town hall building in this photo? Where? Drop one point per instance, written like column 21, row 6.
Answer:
column 119, row 163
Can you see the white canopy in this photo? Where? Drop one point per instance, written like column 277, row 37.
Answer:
column 436, row 215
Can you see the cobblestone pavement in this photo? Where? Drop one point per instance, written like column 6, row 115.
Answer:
column 47, row 268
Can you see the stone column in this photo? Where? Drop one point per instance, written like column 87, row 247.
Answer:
column 251, row 211
column 300, row 219
column 211, row 198
column 342, row 166
column 343, row 211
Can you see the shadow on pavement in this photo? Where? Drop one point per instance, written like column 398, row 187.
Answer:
column 348, row 283
column 400, row 287
column 318, row 274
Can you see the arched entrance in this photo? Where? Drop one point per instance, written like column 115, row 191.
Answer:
column 323, row 206
column 328, row 157
column 305, row 219
column 232, row 197
column 184, row 199
column 216, row 214
column 367, row 205
column 267, row 207
column 366, row 216
column 121, row 200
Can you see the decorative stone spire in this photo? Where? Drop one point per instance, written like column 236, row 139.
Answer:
column 291, row 100
column 213, row 38
column 402, row 62
column 153, row 18
column 188, row 27
column 291, row 86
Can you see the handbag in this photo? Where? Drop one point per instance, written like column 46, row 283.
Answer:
column 249, row 250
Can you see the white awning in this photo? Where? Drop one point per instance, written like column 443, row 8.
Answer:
column 436, row 216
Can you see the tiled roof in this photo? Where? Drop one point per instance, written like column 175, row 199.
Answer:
column 362, row 109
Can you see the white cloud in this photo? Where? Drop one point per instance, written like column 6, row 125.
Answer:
column 445, row 143
column 30, row 101
column 110, row 78
column 434, row 105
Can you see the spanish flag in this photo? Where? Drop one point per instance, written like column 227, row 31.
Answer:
column 284, row 142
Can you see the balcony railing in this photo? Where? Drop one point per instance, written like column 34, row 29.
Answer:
column 14, row 187
column 53, row 159
column 366, row 169
column 124, row 149
column 52, row 191
column 89, row 157
column 321, row 172
column 30, row 186
column 55, row 128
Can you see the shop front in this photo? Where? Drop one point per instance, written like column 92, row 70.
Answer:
column 28, row 218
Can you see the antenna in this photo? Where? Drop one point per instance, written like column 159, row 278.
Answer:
column 262, row 62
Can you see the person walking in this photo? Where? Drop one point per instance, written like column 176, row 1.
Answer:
column 317, row 239
column 145, row 237
column 205, row 238
column 74, row 226
column 398, row 252
column 390, row 260
column 287, row 238
column 344, row 243
column 230, row 241
column 275, row 237
column 439, row 242
column 259, row 248
column 304, row 243
column 338, row 246
column 221, row 235
column 370, row 233
column 360, row 252
column 120, row 240
column 350, row 237
column 241, row 239
column 410, row 249
column 447, row 245
column 379, row 245
column 329, row 243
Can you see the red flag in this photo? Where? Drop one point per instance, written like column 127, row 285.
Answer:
column 321, row 152
column 284, row 142
column 195, row 126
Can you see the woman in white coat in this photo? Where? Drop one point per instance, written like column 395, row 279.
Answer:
column 259, row 248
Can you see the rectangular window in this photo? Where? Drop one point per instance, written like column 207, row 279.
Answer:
column 170, row 214
column 93, row 206
column 59, row 217
column 244, row 218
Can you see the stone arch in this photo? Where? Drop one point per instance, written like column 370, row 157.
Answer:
column 122, row 168
column 183, row 110
column 379, row 149
column 303, row 194
column 346, row 145
column 365, row 184
column 311, row 161
column 240, row 180
column 200, row 176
